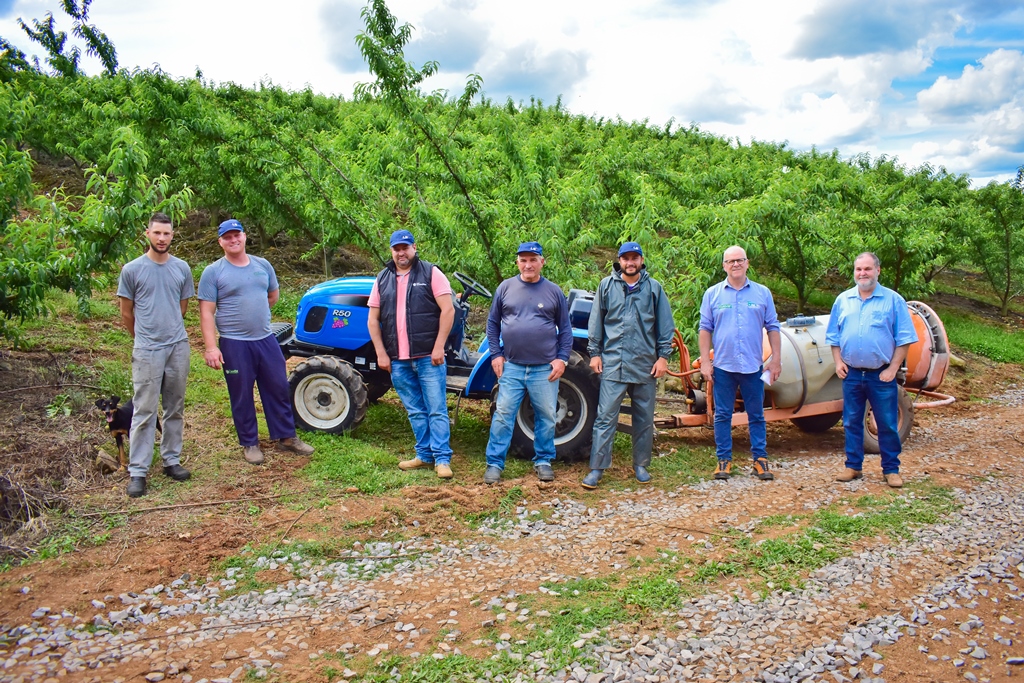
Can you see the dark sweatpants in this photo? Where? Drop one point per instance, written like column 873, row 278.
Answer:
column 260, row 362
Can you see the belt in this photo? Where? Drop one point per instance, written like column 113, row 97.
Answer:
column 878, row 369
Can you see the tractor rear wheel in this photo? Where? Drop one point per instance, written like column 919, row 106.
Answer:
column 578, row 391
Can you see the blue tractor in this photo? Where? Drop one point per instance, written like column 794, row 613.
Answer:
column 338, row 375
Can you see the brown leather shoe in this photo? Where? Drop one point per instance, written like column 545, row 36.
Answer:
column 252, row 454
column 849, row 475
column 295, row 445
column 894, row 480
column 443, row 471
column 414, row 464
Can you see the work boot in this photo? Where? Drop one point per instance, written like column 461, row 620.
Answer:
column 894, row 480
column 592, row 479
column 761, row 469
column 413, row 464
column 849, row 475
column 136, row 487
column 724, row 469
column 252, row 454
column 295, row 445
column 177, row 472
column 492, row 475
column 642, row 475
column 443, row 470
column 544, row 471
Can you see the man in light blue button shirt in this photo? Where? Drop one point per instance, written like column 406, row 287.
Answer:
column 870, row 331
column 733, row 314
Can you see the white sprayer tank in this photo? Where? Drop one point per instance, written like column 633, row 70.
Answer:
column 808, row 371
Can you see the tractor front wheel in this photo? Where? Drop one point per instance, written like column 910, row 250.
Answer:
column 328, row 395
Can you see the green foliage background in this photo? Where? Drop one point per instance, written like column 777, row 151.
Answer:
column 469, row 176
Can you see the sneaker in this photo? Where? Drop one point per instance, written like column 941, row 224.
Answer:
column 413, row 464
column 761, row 470
column 136, row 487
column 444, row 471
column 894, row 480
column 177, row 472
column 724, row 469
column 544, row 471
column 492, row 475
column 642, row 475
column 295, row 445
column 252, row 454
column 849, row 475
column 592, row 479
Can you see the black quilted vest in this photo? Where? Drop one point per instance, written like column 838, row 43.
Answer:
column 423, row 315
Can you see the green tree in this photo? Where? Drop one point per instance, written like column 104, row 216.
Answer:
column 997, row 238
column 69, row 241
column 65, row 59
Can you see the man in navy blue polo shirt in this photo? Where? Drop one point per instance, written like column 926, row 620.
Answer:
column 870, row 331
column 733, row 314
column 530, row 338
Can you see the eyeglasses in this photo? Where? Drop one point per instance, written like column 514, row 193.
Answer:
column 734, row 261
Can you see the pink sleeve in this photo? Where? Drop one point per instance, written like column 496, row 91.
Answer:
column 438, row 284
column 374, row 301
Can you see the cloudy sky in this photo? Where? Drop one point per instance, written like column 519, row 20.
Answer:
column 928, row 81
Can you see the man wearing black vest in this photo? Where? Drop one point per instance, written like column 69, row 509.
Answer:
column 411, row 314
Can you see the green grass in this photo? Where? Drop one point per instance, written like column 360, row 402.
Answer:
column 72, row 533
column 783, row 561
column 987, row 338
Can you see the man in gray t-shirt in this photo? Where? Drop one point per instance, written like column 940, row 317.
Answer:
column 153, row 291
column 235, row 296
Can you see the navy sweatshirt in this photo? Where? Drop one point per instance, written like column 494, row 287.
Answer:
column 531, row 319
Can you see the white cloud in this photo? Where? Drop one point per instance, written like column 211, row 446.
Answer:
column 999, row 80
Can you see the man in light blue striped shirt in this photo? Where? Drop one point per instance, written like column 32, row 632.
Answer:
column 733, row 314
column 870, row 331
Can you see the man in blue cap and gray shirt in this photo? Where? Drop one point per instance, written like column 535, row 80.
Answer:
column 530, row 338
column 630, row 334
column 235, row 296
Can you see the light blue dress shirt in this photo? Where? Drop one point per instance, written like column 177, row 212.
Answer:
column 867, row 331
column 735, row 318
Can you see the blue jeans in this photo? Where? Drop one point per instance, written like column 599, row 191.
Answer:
column 752, row 390
column 421, row 386
column 859, row 388
column 517, row 380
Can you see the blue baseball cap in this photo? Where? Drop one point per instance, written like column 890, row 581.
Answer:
column 402, row 237
column 229, row 225
column 630, row 246
column 530, row 248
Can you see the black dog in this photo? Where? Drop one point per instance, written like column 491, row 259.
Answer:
column 119, row 422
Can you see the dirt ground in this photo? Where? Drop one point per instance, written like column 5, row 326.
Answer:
column 160, row 547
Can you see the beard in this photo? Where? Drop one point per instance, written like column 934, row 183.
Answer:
column 158, row 249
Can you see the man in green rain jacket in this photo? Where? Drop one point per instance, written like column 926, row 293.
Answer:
column 630, row 333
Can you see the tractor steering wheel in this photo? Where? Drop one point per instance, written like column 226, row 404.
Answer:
column 471, row 286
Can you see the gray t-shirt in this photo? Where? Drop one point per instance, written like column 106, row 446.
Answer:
column 241, row 297
column 157, row 289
